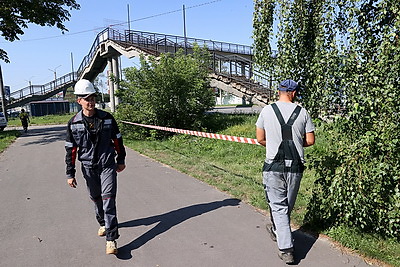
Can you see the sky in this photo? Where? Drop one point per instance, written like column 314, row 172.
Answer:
column 41, row 51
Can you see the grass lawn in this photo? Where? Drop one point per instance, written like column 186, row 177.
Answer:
column 7, row 137
column 43, row 120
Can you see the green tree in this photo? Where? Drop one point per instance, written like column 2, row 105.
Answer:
column 16, row 14
column 171, row 91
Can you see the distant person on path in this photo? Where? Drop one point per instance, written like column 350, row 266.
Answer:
column 94, row 138
column 284, row 128
column 24, row 117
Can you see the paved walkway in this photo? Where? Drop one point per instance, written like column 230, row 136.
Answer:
column 167, row 219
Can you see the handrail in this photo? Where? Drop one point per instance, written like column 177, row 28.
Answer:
column 154, row 38
column 42, row 89
column 242, row 70
column 101, row 37
column 146, row 39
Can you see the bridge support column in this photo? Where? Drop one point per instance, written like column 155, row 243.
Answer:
column 115, row 63
column 113, row 71
column 110, row 84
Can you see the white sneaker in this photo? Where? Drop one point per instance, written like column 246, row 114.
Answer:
column 102, row 231
column 111, row 247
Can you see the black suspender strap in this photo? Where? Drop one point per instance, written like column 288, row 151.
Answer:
column 278, row 113
column 292, row 118
column 294, row 115
column 286, row 127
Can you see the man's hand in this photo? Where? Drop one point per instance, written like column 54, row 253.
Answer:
column 72, row 182
column 120, row 167
column 260, row 133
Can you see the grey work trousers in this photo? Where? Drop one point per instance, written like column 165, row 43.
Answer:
column 281, row 191
column 102, row 187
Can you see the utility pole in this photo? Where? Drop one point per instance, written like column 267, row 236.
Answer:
column 30, row 84
column 72, row 66
column 3, row 98
column 55, row 72
column 184, row 28
column 129, row 23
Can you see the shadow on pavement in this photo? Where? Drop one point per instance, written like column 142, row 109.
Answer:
column 166, row 222
column 48, row 134
column 302, row 244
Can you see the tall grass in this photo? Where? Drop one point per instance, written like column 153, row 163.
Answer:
column 7, row 137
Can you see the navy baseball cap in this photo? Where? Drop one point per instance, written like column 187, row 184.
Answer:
column 288, row 86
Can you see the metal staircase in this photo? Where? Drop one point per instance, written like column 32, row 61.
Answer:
column 41, row 92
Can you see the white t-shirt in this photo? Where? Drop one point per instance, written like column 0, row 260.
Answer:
column 268, row 121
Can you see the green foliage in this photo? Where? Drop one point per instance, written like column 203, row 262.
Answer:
column 346, row 56
column 17, row 14
column 371, row 245
column 357, row 184
column 7, row 137
column 263, row 27
column 171, row 91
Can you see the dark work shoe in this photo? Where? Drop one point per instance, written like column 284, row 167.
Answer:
column 286, row 256
column 271, row 231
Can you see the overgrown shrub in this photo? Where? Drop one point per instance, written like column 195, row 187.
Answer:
column 171, row 91
column 356, row 185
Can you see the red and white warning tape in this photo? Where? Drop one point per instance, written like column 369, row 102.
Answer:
column 202, row 134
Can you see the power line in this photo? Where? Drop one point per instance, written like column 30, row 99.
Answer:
column 119, row 24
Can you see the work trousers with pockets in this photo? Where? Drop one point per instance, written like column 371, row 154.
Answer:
column 281, row 191
column 102, row 187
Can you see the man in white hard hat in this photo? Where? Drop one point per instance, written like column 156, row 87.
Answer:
column 94, row 138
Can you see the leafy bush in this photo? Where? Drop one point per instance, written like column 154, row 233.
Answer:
column 171, row 91
column 357, row 184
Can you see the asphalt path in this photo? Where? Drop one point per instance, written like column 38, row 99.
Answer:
column 167, row 219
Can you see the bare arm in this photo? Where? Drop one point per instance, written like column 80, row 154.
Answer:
column 309, row 139
column 260, row 134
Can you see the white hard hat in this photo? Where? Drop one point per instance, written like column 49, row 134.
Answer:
column 84, row 88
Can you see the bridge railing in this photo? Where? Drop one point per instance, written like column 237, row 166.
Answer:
column 157, row 41
column 43, row 89
column 101, row 37
column 242, row 70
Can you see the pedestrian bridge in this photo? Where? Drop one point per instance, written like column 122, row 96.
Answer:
column 232, row 68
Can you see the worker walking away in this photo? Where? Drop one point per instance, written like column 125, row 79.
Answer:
column 284, row 128
column 94, row 139
column 24, row 117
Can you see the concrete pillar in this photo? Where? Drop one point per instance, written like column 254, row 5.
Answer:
column 243, row 69
column 110, row 84
column 115, row 68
